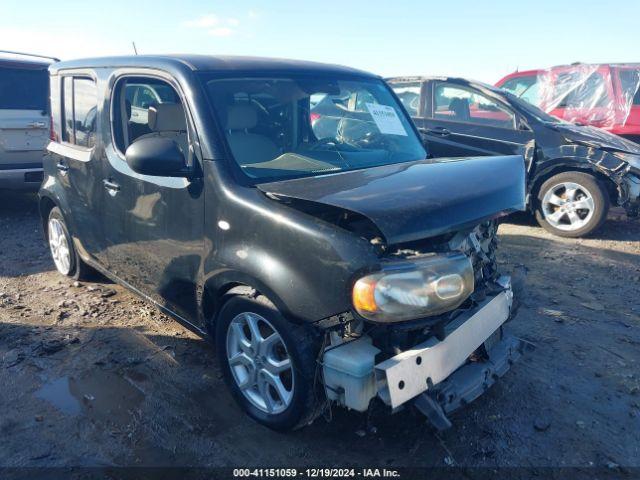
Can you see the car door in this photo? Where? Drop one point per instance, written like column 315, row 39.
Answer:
column 24, row 116
column 460, row 120
column 75, row 154
column 154, row 224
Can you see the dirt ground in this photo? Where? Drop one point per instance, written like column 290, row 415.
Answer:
column 92, row 376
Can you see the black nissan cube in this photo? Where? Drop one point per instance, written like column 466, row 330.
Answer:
column 288, row 211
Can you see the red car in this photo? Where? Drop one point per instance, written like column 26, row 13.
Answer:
column 605, row 95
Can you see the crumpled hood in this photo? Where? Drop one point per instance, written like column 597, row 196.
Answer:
column 595, row 137
column 411, row 201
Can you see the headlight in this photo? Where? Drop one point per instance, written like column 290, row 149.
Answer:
column 414, row 289
column 632, row 159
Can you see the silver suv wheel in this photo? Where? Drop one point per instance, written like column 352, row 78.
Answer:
column 59, row 246
column 260, row 363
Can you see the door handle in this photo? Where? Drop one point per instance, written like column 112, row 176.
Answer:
column 62, row 167
column 111, row 187
column 440, row 131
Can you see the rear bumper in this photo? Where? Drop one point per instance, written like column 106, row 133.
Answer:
column 21, row 178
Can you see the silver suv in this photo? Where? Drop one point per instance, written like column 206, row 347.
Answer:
column 24, row 118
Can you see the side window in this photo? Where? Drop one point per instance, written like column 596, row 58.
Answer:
column 67, row 110
column 527, row 88
column 79, row 110
column 138, row 113
column 630, row 82
column 582, row 93
column 409, row 95
column 459, row 104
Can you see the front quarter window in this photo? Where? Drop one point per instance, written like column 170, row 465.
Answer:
column 288, row 127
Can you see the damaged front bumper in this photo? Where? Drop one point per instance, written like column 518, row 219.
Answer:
column 437, row 376
column 630, row 194
column 469, row 381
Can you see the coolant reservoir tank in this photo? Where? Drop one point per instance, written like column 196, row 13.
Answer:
column 348, row 373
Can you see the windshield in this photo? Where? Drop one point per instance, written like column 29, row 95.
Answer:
column 280, row 128
column 532, row 110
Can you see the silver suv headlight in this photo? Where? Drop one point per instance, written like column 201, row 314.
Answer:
column 416, row 289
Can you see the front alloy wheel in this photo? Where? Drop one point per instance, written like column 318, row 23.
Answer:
column 269, row 363
column 572, row 204
column 260, row 363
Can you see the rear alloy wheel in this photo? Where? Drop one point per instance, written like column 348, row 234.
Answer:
column 64, row 255
column 268, row 362
column 60, row 245
column 572, row 204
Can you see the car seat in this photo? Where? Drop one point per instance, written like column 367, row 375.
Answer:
column 248, row 148
column 167, row 120
column 460, row 108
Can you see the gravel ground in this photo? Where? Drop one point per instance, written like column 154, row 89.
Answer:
column 92, row 376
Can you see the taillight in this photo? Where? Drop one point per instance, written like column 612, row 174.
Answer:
column 314, row 116
column 52, row 133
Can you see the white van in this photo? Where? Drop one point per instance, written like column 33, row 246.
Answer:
column 24, row 119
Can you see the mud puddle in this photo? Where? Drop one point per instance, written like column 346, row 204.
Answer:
column 100, row 395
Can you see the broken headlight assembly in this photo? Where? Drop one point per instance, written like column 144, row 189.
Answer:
column 416, row 289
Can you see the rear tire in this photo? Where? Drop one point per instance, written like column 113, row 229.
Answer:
column 285, row 400
column 572, row 204
column 65, row 257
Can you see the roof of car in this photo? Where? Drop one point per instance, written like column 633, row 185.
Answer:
column 24, row 60
column 421, row 78
column 209, row 63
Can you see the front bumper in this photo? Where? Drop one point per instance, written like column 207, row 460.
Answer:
column 631, row 184
column 470, row 381
column 405, row 376
column 437, row 376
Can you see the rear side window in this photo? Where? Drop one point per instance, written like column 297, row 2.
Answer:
column 630, row 80
column 79, row 111
column 583, row 93
column 24, row 89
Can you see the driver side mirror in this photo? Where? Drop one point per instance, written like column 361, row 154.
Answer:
column 157, row 156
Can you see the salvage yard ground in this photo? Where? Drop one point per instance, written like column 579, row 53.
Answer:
column 91, row 375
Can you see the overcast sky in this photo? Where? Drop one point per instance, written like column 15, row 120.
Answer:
column 480, row 40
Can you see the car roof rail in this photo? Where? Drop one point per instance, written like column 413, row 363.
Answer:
column 30, row 55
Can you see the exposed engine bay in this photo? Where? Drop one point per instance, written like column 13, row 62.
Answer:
column 416, row 360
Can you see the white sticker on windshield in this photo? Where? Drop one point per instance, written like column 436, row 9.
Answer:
column 386, row 119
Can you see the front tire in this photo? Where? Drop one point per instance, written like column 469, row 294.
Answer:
column 268, row 363
column 64, row 255
column 572, row 204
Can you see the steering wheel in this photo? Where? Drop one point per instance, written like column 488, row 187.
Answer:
column 324, row 142
column 372, row 138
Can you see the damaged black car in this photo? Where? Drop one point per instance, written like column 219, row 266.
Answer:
column 574, row 172
column 287, row 210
